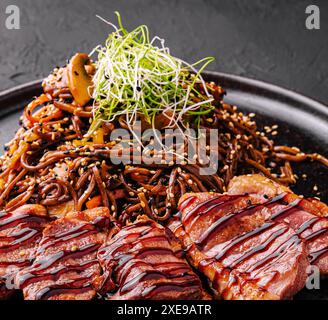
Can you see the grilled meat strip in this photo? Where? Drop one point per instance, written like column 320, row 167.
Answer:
column 307, row 217
column 145, row 261
column 66, row 265
column 227, row 238
column 20, row 232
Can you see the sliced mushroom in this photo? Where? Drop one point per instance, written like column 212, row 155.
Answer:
column 79, row 81
column 161, row 121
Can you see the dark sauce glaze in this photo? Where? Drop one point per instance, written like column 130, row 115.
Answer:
column 290, row 208
column 29, row 278
column 292, row 241
column 40, row 270
column 9, row 220
column 56, row 263
column 262, row 247
column 77, row 232
column 222, row 222
column 314, row 256
column 136, row 252
column 19, row 263
column 19, row 238
column 23, row 230
column 304, row 232
column 73, row 288
column 206, row 207
column 306, row 225
column 219, row 201
column 240, row 239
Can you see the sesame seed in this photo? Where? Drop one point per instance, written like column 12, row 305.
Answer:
column 22, row 253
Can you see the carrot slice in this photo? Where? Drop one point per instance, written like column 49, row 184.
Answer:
column 94, row 202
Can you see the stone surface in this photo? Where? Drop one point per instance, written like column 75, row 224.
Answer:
column 262, row 39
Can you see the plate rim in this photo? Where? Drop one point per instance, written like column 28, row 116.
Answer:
column 258, row 87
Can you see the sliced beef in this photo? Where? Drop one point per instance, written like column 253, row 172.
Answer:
column 227, row 238
column 20, row 232
column 66, row 265
column 145, row 261
column 257, row 185
column 306, row 217
column 272, row 256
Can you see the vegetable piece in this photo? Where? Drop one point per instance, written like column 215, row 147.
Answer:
column 94, row 202
column 28, row 112
column 61, row 209
column 23, row 147
column 79, row 81
column 2, row 184
column 98, row 136
column 82, row 143
column 31, row 136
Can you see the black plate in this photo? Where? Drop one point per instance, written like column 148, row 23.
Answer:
column 303, row 122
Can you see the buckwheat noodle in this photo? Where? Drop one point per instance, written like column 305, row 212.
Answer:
column 43, row 164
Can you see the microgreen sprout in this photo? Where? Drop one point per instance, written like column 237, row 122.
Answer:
column 136, row 75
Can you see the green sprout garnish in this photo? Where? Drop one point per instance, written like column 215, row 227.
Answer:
column 138, row 76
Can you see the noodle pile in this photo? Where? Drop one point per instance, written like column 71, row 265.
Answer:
column 49, row 162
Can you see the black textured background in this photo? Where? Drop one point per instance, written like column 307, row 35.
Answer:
column 262, row 39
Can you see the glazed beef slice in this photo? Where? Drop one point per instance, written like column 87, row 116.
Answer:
column 144, row 261
column 307, row 217
column 244, row 257
column 20, row 233
column 66, row 265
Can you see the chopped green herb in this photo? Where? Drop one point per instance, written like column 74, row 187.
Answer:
column 136, row 75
